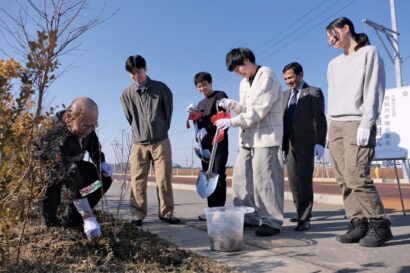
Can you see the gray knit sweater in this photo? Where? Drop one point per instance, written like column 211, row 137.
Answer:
column 356, row 85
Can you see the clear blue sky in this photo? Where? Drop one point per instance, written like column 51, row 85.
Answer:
column 180, row 38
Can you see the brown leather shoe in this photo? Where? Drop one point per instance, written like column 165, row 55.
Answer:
column 170, row 220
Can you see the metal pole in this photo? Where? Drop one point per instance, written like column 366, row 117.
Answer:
column 397, row 58
column 192, row 158
column 398, row 185
column 122, row 149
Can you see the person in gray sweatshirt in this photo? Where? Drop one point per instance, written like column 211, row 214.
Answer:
column 356, row 81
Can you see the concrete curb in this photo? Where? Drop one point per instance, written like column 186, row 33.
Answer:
column 315, row 179
column 328, row 199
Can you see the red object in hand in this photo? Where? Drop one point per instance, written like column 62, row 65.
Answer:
column 217, row 116
column 194, row 116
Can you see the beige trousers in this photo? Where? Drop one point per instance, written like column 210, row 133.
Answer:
column 351, row 164
column 160, row 155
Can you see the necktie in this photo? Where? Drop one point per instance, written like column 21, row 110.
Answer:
column 142, row 91
column 290, row 111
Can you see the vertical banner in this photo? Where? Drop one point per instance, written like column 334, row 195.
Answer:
column 393, row 125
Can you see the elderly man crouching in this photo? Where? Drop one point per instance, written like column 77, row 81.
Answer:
column 62, row 149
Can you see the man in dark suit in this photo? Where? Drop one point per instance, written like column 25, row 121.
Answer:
column 304, row 137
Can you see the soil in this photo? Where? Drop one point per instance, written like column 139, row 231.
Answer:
column 131, row 250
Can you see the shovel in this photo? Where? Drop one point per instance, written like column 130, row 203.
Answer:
column 207, row 181
column 204, row 155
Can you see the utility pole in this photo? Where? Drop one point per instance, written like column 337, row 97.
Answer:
column 397, row 58
column 392, row 36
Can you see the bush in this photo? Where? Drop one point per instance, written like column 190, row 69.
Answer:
column 20, row 172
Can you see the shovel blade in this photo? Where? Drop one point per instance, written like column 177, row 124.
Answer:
column 206, row 184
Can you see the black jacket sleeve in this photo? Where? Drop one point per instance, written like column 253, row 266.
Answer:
column 92, row 145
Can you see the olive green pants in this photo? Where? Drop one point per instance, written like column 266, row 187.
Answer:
column 351, row 165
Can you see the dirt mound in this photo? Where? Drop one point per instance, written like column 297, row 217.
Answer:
column 131, row 250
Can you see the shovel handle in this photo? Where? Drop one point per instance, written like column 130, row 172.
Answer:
column 212, row 159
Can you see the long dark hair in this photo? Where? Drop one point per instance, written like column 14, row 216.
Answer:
column 360, row 38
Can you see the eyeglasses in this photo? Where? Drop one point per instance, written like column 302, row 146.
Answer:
column 90, row 127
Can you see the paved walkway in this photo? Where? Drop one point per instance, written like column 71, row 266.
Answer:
column 290, row 251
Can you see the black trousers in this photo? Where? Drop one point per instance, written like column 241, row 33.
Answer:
column 218, row 198
column 300, row 165
column 87, row 173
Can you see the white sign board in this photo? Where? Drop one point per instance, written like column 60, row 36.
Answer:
column 393, row 125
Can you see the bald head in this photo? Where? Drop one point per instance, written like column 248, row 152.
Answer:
column 83, row 106
column 82, row 116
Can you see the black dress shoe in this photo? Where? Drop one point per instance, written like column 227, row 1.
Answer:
column 303, row 225
column 72, row 222
column 170, row 220
column 265, row 230
column 294, row 219
column 137, row 222
column 54, row 222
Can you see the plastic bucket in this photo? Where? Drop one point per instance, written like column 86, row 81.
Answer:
column 225, row 227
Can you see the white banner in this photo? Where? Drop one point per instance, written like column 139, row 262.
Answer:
column 393, row 125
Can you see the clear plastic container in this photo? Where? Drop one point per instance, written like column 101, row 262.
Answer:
column 225, row 227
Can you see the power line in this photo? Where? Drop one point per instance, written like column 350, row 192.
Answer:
column 223, row 75
column 295, row 23
column 307, row 31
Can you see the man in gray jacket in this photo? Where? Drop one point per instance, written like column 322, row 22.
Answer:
column 147, row 106
column 258, row 174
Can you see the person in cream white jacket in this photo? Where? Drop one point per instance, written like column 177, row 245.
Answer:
column 258, row 174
